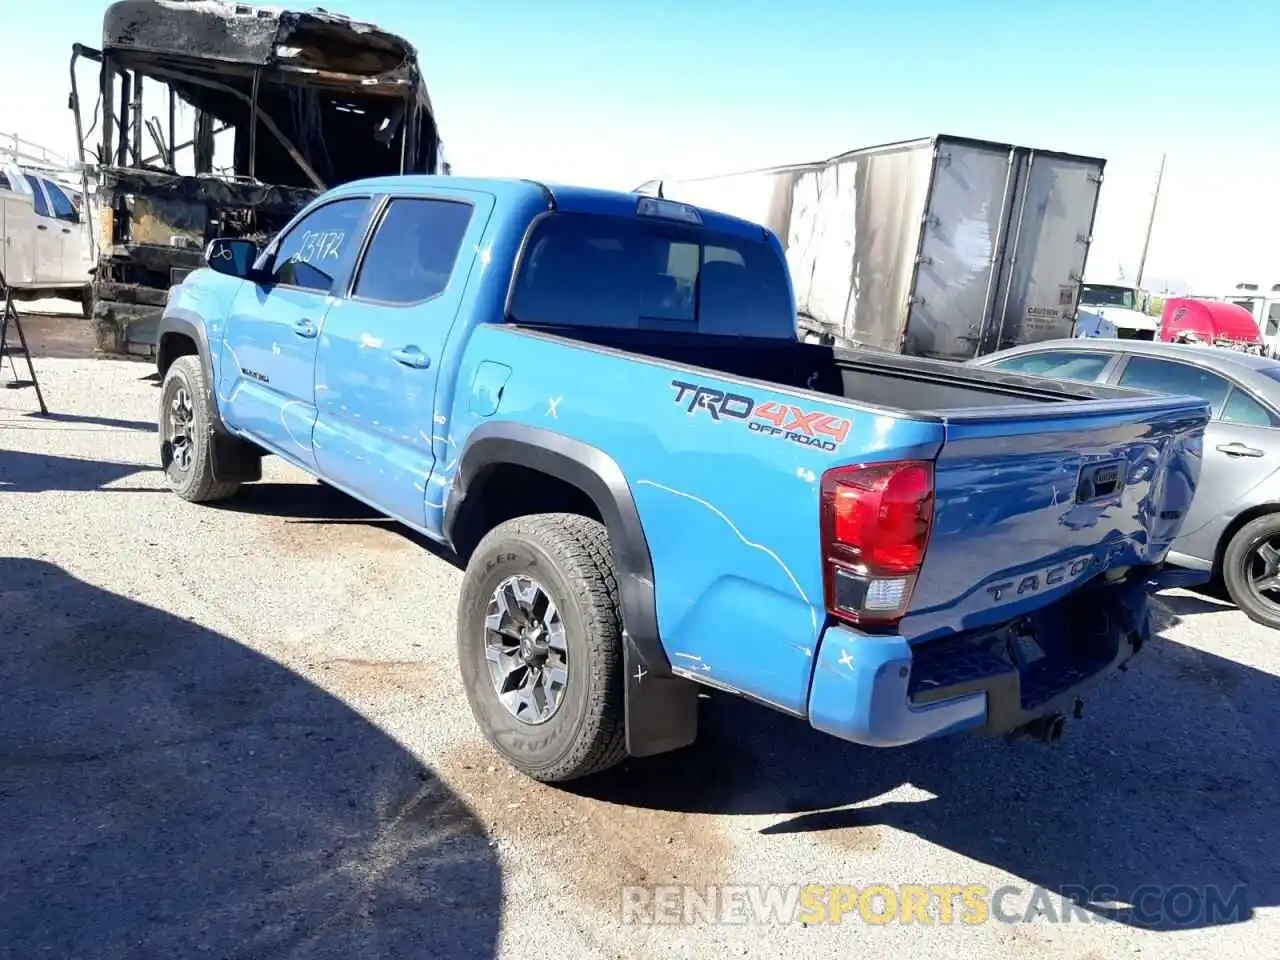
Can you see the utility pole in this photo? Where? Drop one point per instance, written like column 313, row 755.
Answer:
column 1146, row 241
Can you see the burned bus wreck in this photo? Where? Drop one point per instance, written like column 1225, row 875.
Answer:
column 304, row 100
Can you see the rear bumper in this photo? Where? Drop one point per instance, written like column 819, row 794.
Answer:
column 882, row 692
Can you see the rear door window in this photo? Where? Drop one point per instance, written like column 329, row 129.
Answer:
column 1173, row 377
column 1241, row 408
column 1078, row 365
column 609, row 271
column 413, row 252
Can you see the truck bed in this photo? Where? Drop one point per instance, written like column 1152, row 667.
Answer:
column 1038, row 484
column 918, row 386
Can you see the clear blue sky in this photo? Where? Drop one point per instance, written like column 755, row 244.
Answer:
column 612, row 93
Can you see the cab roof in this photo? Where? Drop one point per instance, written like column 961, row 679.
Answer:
column 565, row 198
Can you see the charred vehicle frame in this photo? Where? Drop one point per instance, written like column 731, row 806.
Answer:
column 312, row 100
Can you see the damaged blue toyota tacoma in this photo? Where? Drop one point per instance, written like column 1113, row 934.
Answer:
column 599, row 401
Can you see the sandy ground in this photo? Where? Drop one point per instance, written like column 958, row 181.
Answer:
column 240, row 732
column 55, row 329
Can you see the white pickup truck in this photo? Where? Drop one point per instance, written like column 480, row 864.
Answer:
column 44, row 245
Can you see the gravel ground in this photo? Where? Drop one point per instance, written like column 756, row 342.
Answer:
column 239, row 732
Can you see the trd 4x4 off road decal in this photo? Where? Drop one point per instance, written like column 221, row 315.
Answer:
column 771, row 419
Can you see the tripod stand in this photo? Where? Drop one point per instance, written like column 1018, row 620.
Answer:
column 9, row 317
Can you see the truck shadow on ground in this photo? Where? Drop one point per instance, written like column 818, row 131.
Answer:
column 318, row 503
column 1167, row 785
column 165, row 791
column 1168, row 782
column 22, row 472
column 1206, row 599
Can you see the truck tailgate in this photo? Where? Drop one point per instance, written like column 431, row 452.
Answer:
column 1032, row 500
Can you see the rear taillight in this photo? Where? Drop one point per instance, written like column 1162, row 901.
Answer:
column 875, row 528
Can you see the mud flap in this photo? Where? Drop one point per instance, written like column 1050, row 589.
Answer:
column 661, row 709
column 234, row 459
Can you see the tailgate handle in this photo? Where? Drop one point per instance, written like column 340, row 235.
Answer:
column 1239, row 450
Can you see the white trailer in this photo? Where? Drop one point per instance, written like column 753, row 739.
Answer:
column 1263, row 301
column 942, row 247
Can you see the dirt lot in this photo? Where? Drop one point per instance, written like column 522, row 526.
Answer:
column 239, row 732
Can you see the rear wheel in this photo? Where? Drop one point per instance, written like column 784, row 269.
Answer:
column 1251, row 569
column 540, row 646
column 186, row 434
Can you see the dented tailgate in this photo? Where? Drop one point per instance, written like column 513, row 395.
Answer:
column 1031, row 502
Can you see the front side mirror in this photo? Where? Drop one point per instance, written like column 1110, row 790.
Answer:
column 234, row 257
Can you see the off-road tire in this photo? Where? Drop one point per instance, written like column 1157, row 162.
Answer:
column 1237, row 561
column 571, row 558
column 196, row 484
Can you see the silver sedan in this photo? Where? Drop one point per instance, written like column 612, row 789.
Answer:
column 1233, row 527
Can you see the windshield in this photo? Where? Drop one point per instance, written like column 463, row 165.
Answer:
column 633, row 274
column 1103, row 295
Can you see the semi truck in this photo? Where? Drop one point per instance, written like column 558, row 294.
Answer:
column 945, row 246
column 1125, row 305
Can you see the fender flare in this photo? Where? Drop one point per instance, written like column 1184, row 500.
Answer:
column 233, row 458
column 192, row 327
column 661, row 707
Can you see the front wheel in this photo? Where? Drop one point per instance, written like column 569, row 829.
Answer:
column 540, row 646
column 186, row 434
column 1251, row 569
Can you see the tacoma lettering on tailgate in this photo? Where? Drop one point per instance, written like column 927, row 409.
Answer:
column 1057, row 574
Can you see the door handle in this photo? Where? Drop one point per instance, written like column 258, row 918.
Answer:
column 411, row 357
column 1239, row 450
column 66, row 229
column 42, row 226
column 304, row 328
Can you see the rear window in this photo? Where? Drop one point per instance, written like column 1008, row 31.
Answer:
column 1269, row 369
column 1060, row 365
column 603, row 271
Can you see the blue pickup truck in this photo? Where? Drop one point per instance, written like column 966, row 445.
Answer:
column 598, row 400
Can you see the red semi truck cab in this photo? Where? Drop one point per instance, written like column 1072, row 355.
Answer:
column 1209, row 322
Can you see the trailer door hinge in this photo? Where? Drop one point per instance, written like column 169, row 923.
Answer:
column 1095, row 177
column 924, row 261
column 1085, row 238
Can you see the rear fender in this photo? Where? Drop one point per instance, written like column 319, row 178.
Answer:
column 661, row 708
